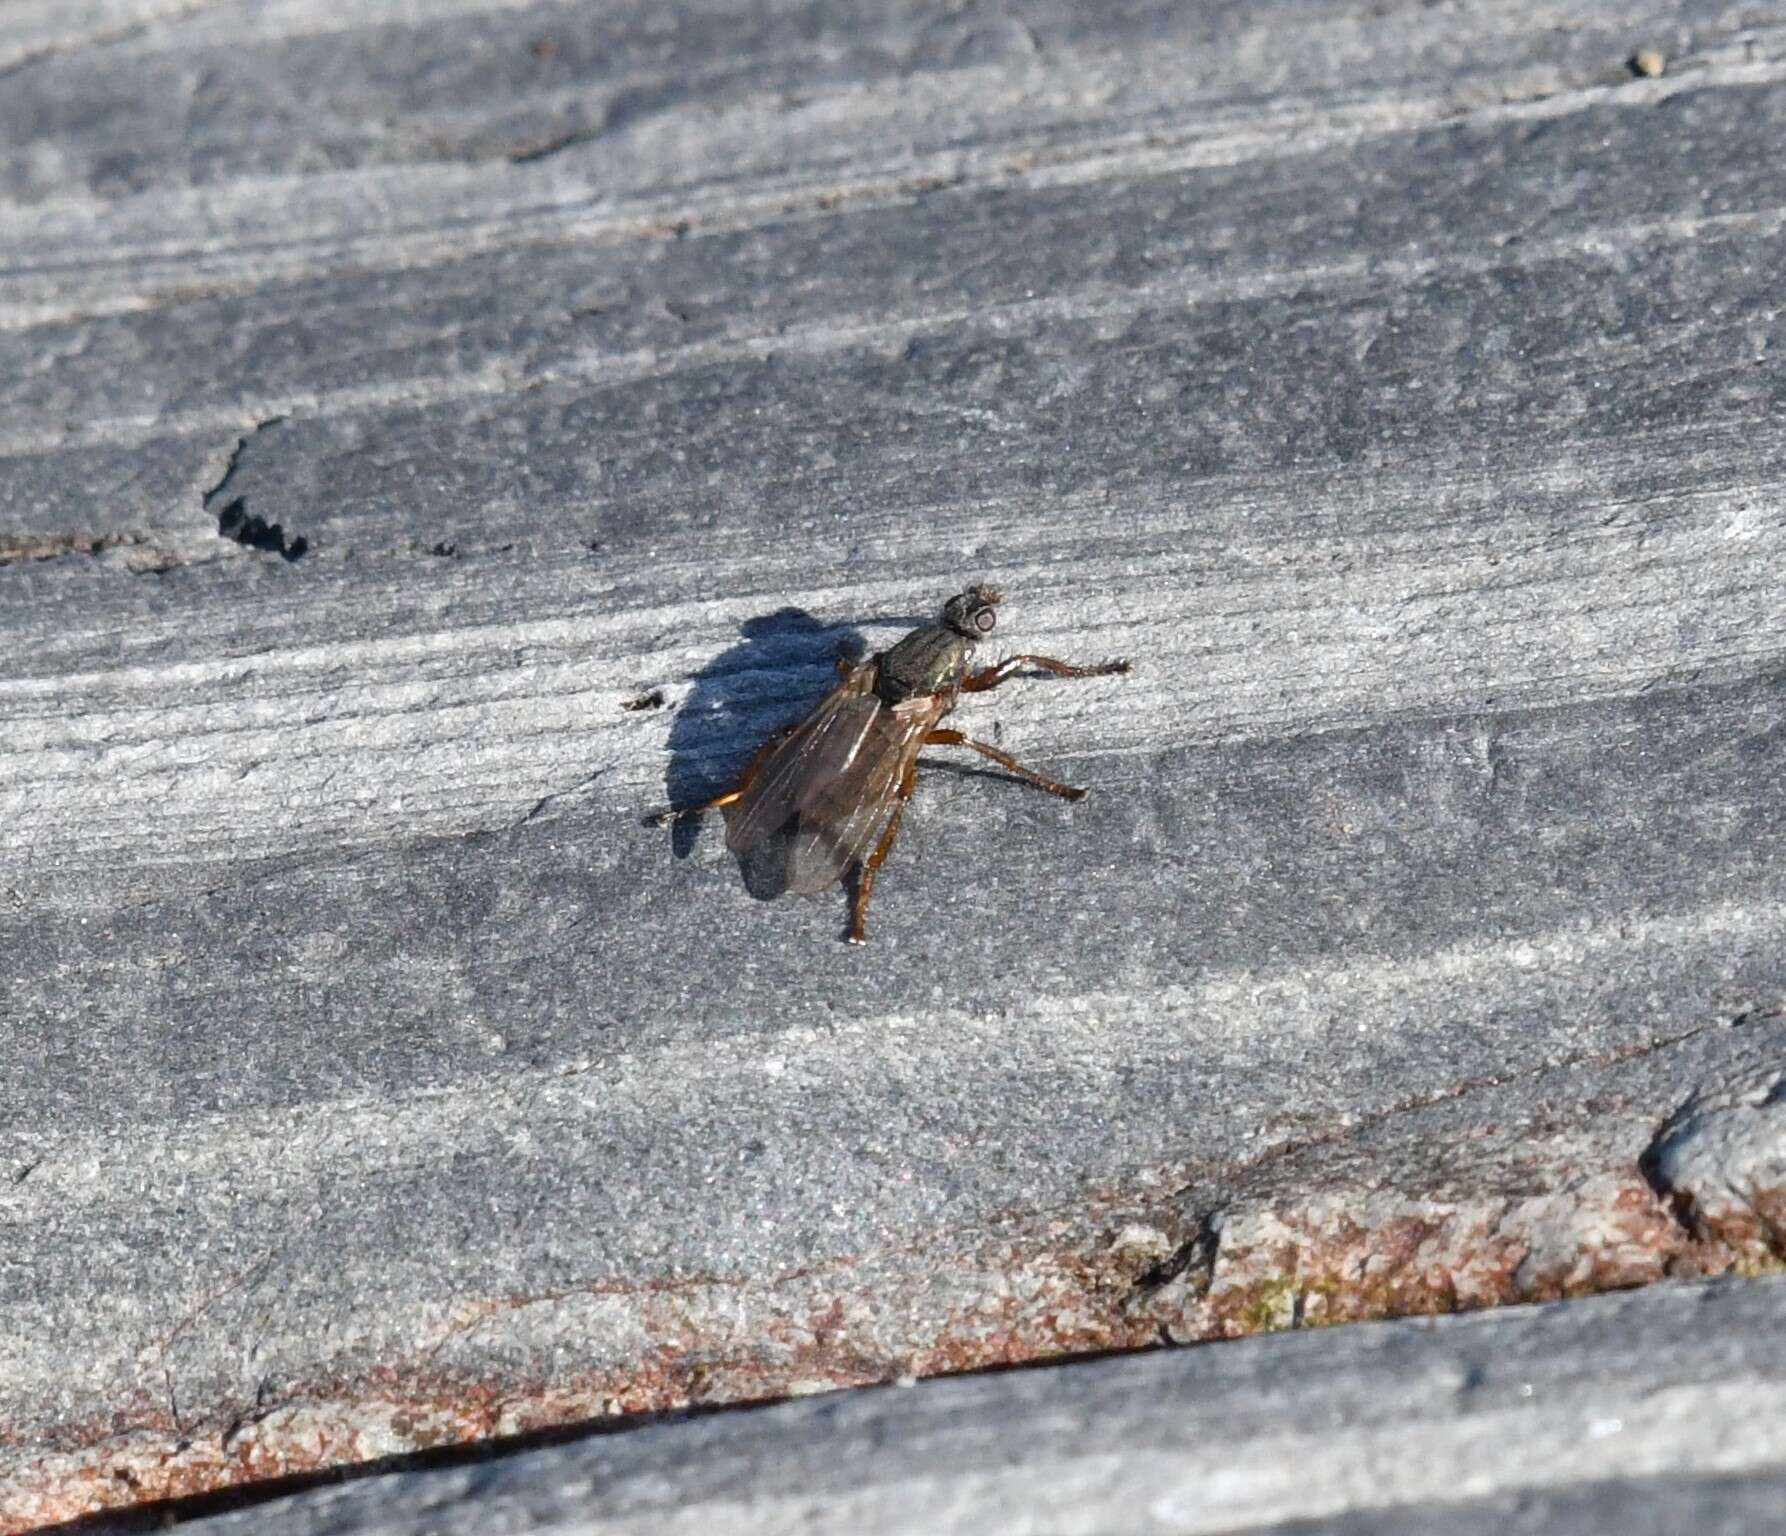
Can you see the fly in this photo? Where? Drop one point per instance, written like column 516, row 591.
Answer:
column 831, row 788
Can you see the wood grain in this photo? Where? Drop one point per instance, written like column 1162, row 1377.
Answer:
column 392, row 400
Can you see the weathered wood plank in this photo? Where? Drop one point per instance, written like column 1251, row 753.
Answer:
column 1400, row 389
column 1656, row 1412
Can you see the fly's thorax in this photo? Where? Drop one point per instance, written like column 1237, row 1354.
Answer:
column 933, row 659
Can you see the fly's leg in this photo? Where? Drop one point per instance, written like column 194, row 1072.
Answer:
column 675, row 812
column 858, row 933
column 991, row 677
column 948, row 738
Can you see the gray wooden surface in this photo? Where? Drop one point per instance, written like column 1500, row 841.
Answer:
column 391, row 402
column 1529, row 1420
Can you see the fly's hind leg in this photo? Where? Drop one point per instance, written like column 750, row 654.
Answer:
column 858, row 933
column 675, row 812
column 991, row 677
column 948, row 738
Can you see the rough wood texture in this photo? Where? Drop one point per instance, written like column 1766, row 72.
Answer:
column 395, row 407
column 1541, row 1419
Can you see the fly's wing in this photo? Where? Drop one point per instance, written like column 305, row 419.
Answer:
column 841, row 815
column 819, row 748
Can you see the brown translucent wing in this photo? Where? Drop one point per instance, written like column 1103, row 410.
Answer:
column 817, row 749
column 840, row 816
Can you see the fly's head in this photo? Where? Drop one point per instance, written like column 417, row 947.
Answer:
column 971, row 614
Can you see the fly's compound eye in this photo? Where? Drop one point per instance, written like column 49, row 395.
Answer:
column 984, row 620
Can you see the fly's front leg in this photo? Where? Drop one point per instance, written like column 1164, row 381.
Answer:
column 675, row 812
column 858, row 933
column 991, row 677
column 948, row 738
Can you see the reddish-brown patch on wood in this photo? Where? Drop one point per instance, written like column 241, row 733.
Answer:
column 144, row 557
column 1062, row 1289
